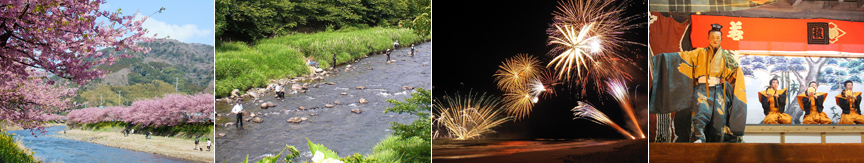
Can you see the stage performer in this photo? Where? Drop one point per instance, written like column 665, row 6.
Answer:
column 850, row 103
column 811, row 102
column 774, row 104
column 705, row 87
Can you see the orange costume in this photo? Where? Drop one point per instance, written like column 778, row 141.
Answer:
column 812, row 107
column 850, row 103
column 774, row 104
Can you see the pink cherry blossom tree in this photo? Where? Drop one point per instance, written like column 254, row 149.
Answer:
column 62, row 38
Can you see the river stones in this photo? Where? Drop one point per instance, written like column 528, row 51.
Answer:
column 356, row 111
column 313, row 114
column 253, row 115
column 257, row 120
column 296, row 87
column 348, row 66
column 337, row 102
column 229, row 124
column 343, row 93
column 220, row 135
column 360, row 87
column 235, row 93
column 301, row 108
column 295, row 120
column 369, row 68
column 363, row 101
column 331, row 83
column 407, row 88
column 267, row 105
column 328, row 105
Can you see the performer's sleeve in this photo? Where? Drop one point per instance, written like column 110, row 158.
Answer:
column 782, row 99
column 738, row 111
column 806, row 102
column 858, row 103
column 842, row 103
column 820, row 101
column 672, row 84
column 766, row 107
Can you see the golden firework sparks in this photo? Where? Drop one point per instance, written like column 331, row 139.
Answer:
column 519, row 103
column 469, row 117
column 515, row 72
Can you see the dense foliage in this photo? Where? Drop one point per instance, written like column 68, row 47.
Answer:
column 170, row 110
column 248, row 20
column 9, row 151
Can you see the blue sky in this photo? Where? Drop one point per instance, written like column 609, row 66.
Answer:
column 189, row 21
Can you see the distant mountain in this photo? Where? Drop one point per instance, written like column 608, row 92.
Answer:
column 169, row 60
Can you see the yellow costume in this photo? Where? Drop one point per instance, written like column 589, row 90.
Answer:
column 850, row 103
column 774, row 104
column 812, row 107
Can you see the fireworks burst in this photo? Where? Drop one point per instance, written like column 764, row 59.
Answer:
column 536, row 89
column 519, row 103
column 549, row 80
column 515, row 72
column 469, row 117
column 586, row 36
column 619, row 91
column 588, row 112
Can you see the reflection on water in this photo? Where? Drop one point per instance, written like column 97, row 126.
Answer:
column 52, row 149
column 336, row 128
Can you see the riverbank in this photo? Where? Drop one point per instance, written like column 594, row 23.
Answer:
column 243, row 66
column 166, row 146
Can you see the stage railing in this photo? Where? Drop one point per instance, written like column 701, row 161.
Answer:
column 801, row 133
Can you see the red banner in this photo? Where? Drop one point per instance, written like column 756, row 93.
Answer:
column 782, row 36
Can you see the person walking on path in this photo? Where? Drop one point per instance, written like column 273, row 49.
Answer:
column 196, row 144
column 238, row 109
column 208, row 144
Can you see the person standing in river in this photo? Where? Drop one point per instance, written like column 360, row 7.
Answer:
column 412, row 50
column 238, row 109
column 334, row 61
column 388, row 54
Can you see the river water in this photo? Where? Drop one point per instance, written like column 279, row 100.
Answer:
column 336, row 128
column 53, row 149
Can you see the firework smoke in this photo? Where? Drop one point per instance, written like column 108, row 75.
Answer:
column 588, row 112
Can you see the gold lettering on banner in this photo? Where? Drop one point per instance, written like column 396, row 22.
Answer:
column 735, row 32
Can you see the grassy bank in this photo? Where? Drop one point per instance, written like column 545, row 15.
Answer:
column 13, row 151
column 242, row 66
column 189, row 130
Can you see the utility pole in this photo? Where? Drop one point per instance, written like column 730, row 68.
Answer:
column 176, row 82
column 118, row 98
column 102, row 103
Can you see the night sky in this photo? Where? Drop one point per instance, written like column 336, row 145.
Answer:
column 473, row 38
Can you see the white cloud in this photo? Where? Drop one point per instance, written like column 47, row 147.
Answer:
column 184, row 33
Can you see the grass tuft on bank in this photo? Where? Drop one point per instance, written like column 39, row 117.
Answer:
column 10, row 152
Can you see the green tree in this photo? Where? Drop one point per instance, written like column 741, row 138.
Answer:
column 418, row 104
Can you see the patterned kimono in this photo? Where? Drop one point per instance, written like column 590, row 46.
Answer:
column 812, row 107
column 774, row 106
column 709, row 111
column 850, row 106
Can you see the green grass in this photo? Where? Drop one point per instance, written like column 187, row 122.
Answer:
column 9, row 151
column 241, row 66
column 187, row 130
